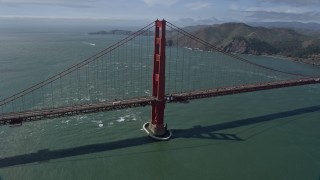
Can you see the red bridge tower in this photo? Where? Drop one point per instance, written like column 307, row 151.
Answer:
column 155, row 127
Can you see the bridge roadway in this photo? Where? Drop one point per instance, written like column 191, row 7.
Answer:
column 181, row 97
column 56, row 112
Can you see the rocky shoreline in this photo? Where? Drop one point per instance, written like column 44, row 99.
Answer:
column 313, row 60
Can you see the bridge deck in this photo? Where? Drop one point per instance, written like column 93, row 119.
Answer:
column 180, row 97
column 32, row 115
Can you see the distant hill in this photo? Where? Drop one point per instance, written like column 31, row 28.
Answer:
column 245, row 39
column 119, row 32
column 303, row 28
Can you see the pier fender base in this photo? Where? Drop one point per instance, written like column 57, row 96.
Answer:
column 164, row 137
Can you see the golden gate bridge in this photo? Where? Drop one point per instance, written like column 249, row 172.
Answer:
column 158, row 64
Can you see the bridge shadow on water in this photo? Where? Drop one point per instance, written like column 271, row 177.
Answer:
column 206, row 132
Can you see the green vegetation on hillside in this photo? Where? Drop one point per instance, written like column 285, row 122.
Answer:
column 241, row 38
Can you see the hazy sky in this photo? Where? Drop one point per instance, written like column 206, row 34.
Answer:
column 188, row 11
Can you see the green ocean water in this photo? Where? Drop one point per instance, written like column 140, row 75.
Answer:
column 270, row 134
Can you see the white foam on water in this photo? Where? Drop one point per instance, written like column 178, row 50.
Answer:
column 79, row 120
column 65, row 121
column 100, row 125
column 147, row 92
column 274, row 77
column 121, row 119
column 81, row 117
column 98, row 122
column 86, row 98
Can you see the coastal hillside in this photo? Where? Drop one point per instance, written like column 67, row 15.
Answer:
column 245, row 39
